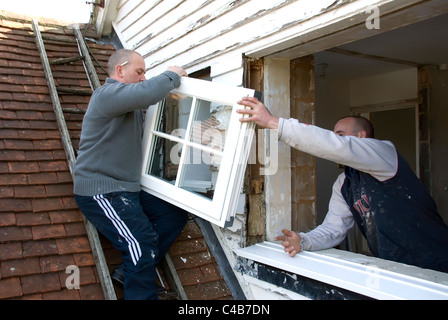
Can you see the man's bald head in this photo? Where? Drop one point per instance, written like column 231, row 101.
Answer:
column 354, row 126
column 120, row 57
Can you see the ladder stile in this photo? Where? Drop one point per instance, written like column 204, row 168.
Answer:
column 94, row 240
column 67, row 143
column 95, row 244
column 93, row 77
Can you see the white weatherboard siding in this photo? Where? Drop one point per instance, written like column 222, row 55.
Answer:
column 198, row 34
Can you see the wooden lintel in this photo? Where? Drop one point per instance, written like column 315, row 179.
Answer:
column 372, row 57
column 382, row 106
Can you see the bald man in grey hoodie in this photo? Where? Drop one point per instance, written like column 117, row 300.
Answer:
column 108, row 168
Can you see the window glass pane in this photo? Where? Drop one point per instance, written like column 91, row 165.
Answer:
column 165, row 159
column 200, row 165
column 174, row 114
column 210, row 123
column 200, row 172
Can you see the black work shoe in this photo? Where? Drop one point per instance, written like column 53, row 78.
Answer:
column 117, row 275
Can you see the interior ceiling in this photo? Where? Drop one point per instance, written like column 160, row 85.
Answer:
column 422, row 43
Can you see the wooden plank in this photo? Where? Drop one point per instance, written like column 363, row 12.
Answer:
column 172, row 277
column 58, row 39
column 95, row 244
column 74, row 110
column 132, row 11
column 303, row 165
column 382, row 106
column 87, row 60
column 79, row 92
column 127, row 8
column 236, row 24
column 151, row 15
column 372, row 57
column 66, row 60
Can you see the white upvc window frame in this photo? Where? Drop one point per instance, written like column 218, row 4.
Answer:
column 221, row 208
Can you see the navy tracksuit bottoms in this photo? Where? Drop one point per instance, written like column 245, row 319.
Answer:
column 142, row 227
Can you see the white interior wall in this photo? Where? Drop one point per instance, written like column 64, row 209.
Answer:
column 332, row 103
column 393, row 86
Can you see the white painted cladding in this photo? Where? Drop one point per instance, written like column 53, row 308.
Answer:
column 198, row 34
column 215, row 33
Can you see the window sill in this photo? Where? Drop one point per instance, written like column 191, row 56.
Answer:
column 368, row 276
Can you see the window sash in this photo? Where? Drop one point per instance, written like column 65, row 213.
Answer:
column 238, row 137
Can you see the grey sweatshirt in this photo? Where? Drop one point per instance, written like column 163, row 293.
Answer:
column 110, row 151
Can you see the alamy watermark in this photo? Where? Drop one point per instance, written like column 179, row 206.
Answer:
column 73, row 280
column 373, row 20
column 263, row 150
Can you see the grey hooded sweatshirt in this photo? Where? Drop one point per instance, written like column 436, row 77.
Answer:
column 110, row 150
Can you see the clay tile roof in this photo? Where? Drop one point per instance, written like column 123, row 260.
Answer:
column 41, row 229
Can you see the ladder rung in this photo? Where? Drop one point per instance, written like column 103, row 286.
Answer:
column 58, row 39
column 66, row 60
column 80, row 92
column 73, row 110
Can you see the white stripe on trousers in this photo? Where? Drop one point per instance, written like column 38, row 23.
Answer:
column 123, row 230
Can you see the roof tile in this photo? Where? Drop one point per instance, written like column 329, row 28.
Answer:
column 48, row 232
column 20, row 267
column 38, row 248
column 55, row 263
column 9, row 251
column 32, row 219
column 10, row 287
column 13, row 233
column 39, row 283
column 73, row 245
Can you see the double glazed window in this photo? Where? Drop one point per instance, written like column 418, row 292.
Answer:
column 196, row 149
